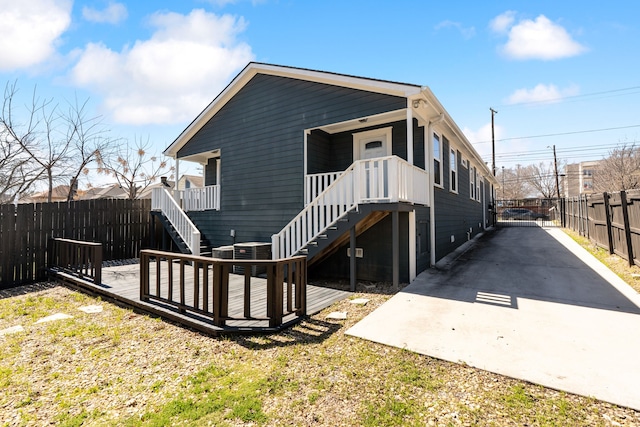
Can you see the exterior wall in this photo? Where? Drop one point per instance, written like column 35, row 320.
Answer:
column 455, row 214
column 260, row 136
column 331, row 153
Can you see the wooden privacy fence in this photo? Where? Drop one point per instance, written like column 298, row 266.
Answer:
column 121, row 226
column 610, row 220
column 201, row 285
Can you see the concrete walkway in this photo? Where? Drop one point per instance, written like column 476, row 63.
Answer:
column 529, row 303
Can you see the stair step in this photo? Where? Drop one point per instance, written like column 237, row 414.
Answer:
column 322, row 236
column 333, row 227
column 313, row 243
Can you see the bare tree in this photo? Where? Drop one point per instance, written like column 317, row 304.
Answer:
column 620, row 171
column 17, row 173
column 38, row 138
column 89, row 143
column 542, row 179
column 514, row 183
column 134, row 168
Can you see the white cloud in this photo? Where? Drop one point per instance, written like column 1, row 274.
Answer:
column 542, row 93
column 537, row 39
column 467, row 32
column 114, row 13
column 502, row 22
column 172, row 76
column 30, row 31
column 481, row 139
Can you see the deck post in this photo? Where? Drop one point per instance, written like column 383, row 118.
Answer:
column 352, row 259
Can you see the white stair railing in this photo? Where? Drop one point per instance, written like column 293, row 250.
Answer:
column 380, row 180
column 316, row 183
column 163, row 201
column 201, row 198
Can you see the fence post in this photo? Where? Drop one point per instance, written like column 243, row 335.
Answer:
column 605, row 199
column 627, row 229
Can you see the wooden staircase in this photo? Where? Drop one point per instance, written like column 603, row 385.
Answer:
column 338, row 235
column 205, row 245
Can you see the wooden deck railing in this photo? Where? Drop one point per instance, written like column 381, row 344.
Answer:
column 201, row 285
column 79, row 259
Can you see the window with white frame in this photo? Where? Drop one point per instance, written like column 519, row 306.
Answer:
column 453, row 171
column 463, row 162
column 478, row 192
column 472, row 182
column 437, row 160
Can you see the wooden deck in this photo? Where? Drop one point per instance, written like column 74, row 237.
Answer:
column 122, row 283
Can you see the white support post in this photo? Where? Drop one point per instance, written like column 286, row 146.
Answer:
column 176, row 191
column 409, row 134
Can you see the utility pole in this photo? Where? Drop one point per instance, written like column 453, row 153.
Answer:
column 493, row 142
column 555, row 165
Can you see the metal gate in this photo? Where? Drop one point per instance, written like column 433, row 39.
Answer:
column 529, row 213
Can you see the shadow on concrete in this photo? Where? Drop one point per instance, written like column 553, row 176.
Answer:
column 522, row 262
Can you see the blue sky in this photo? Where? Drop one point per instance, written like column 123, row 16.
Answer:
column 567, row 69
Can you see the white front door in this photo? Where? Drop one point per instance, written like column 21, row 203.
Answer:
column 371, row 144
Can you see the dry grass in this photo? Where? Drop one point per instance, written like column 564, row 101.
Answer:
column 121, row 368
column 620, row 266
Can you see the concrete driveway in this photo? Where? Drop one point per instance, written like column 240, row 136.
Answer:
column 529, row 303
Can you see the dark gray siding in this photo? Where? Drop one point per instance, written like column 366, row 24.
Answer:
column 260, row 135
column 330, row 153
column 423, row 240
column 455, row 214
column 211, row 172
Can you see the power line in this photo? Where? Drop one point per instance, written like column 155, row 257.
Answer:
column 613, row 92
column 561, row 134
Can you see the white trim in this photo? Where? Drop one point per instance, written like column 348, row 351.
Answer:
column 463, row 162
column 254, row 68
column 472, row 182
column 360, row 138
column 409, row 134
column 439, row 159
column 453, row 177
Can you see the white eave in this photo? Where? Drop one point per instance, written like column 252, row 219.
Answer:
column 254, row 68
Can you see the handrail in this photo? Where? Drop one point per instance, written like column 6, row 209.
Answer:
column 205, row 290
column 201, row 198
column 381, row 180
column 318, row 182
column 164, row 202
column 78, row 258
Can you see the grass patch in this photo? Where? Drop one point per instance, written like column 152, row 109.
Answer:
column 213, row 395
column 620, row 266
column 121, row 368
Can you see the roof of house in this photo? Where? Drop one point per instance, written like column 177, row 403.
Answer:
column 412, row 92
column 111, row 191
column 58, row 193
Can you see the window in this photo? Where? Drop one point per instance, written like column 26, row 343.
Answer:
column 453, row 171
column 472, row 182
column 478, row 193
column 463, row 162
column 437, row 160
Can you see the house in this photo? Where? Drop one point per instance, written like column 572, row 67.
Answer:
column 59, row 193
column 110, row 191
column 330, row 165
